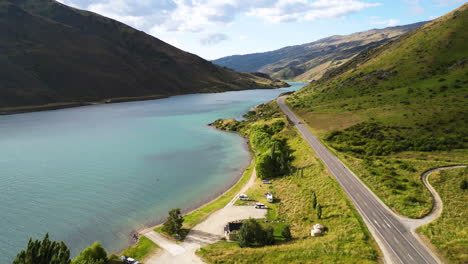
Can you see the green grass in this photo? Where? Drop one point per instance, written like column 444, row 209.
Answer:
column 142, row 249
column 449, row 233
column 347, row 240
column 257, row 193
column 195, row 217
column 397, row 182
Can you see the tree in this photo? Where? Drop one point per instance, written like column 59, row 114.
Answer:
column 265, row 166
column 314, row 200
column 319, row 211
column 246, row 234
column 251, row 233
column 174, row 221
column 92, row 254
column 44, row 252
column 286, row 232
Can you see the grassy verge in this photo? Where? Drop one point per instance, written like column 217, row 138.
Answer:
column 449, row 233
column 141, row 250
column 397, row 182
column 346, row 240
column 195, row 217
column 395, row 178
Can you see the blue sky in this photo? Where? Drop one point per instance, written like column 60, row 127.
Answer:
column 218, row 28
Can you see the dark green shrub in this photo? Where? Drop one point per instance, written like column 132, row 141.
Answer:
column 286, row 233
column 92, row 254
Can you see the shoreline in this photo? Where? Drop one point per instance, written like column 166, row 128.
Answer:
column 65, row 105
column 235, row 183
column 112, row 100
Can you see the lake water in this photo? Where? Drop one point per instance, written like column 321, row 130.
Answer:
column 97, row 173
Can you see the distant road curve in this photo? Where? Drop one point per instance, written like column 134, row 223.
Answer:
column 396, row 238
column 438, row 204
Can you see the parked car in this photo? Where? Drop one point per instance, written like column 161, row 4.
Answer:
column 266, row 182
column 260, row 206
column 244, row 197
column 128, row 260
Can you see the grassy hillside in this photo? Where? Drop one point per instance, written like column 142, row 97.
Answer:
column 346, row 240
column 310, row 61
column 52, row 53
column 397, row 110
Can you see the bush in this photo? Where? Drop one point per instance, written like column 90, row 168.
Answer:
column 92, row 254
column 286, row 232
column 464, row 184
column 269, row 237
column 374, row 138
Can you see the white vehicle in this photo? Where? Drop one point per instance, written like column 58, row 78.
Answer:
column 243, row 197
column 129, row 260
column 269, row 197
column 260, row 206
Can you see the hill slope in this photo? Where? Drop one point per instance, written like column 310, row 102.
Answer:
column 398, row 110
column 417, row 84
column 310, row 61
column 52, row 53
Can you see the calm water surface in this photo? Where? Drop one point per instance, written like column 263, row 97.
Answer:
column 97, row 173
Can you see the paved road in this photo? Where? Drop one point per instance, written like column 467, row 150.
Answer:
column 398, row 243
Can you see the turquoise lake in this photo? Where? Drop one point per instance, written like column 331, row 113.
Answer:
column 101, row 172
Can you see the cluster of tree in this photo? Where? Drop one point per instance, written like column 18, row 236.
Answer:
column 53, row 252
column 253, row 234
column 273, row 155
column 373, row 138
column 174, row 222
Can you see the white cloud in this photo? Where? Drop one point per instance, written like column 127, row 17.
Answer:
column 295, row 10
column 415, row 7
column 389, row 23
column 213, row 39
column 243, row 37
column 196, row 15
column 193, row 16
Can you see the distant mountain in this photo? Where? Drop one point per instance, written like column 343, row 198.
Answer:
column 310, row 61
column 54, row 54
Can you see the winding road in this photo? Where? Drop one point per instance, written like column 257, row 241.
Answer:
column 395, row 235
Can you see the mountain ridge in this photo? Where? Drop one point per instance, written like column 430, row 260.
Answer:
column 53, row 54
column 309, row 61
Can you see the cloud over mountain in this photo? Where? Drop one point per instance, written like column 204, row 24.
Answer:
column 194, row 15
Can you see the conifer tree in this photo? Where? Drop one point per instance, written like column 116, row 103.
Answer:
column 44, row 252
